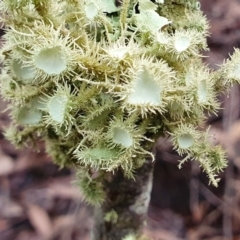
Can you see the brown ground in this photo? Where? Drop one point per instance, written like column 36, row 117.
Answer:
column 38, row 201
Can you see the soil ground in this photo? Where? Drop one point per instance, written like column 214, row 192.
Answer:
column 38, row 200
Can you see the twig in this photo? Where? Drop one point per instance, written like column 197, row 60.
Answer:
column 231, row 113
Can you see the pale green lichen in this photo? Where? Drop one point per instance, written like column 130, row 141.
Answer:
column 100, row 83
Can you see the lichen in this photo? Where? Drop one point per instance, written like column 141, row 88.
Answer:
column 99, row 83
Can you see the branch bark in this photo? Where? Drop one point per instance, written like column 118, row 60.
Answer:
column 128, row 199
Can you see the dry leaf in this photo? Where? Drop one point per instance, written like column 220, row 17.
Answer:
column 40, row 221
column 7, row 165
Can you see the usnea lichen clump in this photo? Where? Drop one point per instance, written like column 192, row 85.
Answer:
column 100, row 82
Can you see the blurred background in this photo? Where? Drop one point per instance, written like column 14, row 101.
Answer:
column 39, row 202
